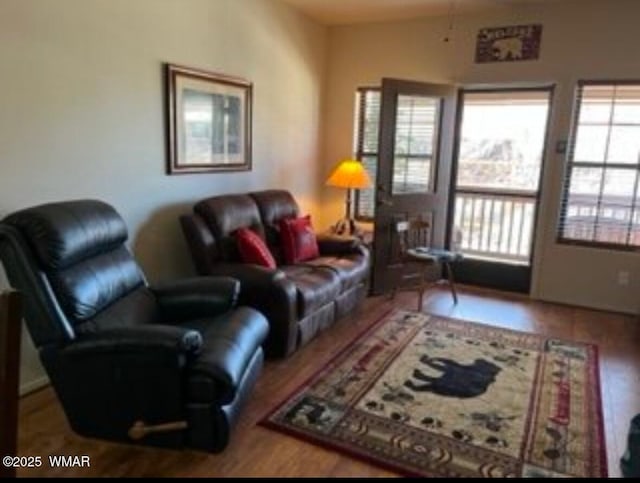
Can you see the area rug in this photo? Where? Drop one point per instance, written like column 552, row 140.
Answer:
column 425, row 395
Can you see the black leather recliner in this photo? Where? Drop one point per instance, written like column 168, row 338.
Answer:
column 119, row 352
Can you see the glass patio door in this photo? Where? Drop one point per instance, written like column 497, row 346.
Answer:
column 496, row 181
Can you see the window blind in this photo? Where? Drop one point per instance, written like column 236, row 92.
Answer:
column 601, row 198
column 366, row 146
column 416, row 118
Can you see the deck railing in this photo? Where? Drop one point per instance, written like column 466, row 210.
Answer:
column 613, row 219
column 495, row 225
column 499, row 225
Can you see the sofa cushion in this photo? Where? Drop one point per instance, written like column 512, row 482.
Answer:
column 92, row 285
column 274, row 205
column 253, row 249
column 315, row 286
column 137, row 307
column 298, row 240
column 352, row 269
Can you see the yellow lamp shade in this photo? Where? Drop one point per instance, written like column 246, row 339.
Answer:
column 350, row 173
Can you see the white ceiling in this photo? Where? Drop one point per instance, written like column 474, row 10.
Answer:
column 337, row 12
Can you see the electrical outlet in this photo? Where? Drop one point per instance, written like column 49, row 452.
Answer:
column 623, row 277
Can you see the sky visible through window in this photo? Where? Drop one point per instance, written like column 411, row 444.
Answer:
column 502, row 143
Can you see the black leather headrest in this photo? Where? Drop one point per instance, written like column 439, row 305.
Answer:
column 274, row 205
column 65, row 233
column 226, row 213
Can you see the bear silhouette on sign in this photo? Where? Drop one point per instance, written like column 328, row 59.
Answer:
column 457, row 380
column 510, row 47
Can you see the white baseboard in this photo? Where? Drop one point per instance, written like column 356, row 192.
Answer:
column 33, row 385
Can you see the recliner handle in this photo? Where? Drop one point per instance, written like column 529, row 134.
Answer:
column 139, row 429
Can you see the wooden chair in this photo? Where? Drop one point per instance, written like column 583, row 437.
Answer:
column 416, row 257
column 10, row 325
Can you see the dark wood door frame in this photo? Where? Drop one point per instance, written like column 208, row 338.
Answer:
column 484, row 270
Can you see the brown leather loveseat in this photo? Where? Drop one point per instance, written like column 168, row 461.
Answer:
column 298, row 300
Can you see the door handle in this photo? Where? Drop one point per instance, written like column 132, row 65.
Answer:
column 383, row 198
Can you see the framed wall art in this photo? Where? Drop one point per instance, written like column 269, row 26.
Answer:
column 508, row 44
column 208, row 121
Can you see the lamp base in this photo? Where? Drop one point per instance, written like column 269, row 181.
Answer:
column 346, row 226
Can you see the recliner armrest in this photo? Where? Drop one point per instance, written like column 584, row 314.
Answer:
column 198, row 297
column 340, row 245
column 248, row 274
column 231, row 344
column 137, row 339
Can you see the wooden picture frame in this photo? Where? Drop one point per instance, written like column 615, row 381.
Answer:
column 208, row 121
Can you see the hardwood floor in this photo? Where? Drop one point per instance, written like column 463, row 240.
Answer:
column 256, row 451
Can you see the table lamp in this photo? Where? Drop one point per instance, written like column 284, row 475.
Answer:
column 349, row 174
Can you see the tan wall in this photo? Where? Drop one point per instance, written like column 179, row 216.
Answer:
column 580, row 40
column 81, row 109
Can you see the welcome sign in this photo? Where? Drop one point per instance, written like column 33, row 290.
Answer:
column 507, row 44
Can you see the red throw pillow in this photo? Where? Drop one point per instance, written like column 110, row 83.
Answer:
column 252, row 249
column 298, row 239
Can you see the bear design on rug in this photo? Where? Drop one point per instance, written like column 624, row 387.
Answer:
column 457, row 380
